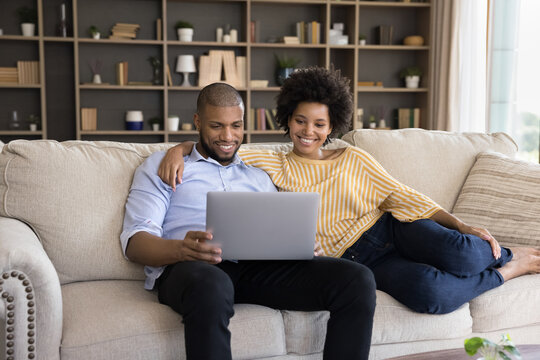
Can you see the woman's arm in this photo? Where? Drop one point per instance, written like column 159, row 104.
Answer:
column 171, row 167
column 448, row 220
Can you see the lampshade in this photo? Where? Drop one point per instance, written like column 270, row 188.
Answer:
column 185, row 64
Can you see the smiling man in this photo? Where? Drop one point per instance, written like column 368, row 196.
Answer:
column 165, row 231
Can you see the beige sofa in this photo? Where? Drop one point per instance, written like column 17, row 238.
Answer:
column 67, row 292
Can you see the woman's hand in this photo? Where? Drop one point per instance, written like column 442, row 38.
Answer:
column 450, row 221
column 317, row 251
column 482, row 234
column 171, row 167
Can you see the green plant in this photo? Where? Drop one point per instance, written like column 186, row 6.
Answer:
column 155, row 120
column 92, row 30
column 27, row 15
column 285, row 62
column 491, row 351
column 33, row 119
column 183, row 24
column 410, row 71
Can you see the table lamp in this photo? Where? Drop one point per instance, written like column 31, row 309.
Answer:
column 185, row 64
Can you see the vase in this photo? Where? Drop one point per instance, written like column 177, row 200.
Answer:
column 156, row 79
column 134, row 120
column 28, row 29
column 96, row 79
column 185, row 34
column 155, row 127
column 411, row 82
column 33, row 127
column 173, row 122
column 282, row 74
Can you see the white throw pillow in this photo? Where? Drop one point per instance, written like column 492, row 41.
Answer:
column 502, row 195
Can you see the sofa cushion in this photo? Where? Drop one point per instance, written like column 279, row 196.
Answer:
column 503, row 195
column 121, row 320
column 435, row 163
column 514, row 304
column 73, row 195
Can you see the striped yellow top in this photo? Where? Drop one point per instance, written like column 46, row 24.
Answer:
column 354, row 189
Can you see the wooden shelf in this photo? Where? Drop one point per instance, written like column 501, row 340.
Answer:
column 390, row 90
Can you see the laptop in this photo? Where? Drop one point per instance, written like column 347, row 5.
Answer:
column 263, row 225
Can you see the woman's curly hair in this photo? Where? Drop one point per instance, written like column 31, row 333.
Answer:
column 320, row 85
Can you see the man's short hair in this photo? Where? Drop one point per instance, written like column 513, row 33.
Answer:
column 219, row 94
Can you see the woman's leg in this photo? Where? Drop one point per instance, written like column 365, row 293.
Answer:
column 425, row 241
column 426, row 289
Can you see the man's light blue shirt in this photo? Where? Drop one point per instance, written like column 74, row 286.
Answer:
column 153, row 207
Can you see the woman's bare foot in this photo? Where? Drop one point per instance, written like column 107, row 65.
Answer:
column 526, row 260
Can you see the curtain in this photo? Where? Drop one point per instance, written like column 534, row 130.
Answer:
column 459, row 67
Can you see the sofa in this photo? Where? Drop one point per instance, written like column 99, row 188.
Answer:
column 67, row 292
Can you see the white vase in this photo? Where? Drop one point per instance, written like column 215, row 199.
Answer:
column 28, row 29
column 173, row 122
column 155, row 127
column 185, row 34
column 96, row 35
column 96, row 79
column 33, row 127
column 362, row 42
column 411, row 82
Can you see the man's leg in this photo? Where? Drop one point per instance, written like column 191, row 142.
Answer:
column 345, row 288
column 204, row 296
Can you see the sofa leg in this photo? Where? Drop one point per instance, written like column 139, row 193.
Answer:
column 18, row 296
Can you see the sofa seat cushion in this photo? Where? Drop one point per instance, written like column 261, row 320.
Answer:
column 435, row 163
column 396, row 323
column 393, row 323
column 121, row 320
column 514, row 304
column 503, row 195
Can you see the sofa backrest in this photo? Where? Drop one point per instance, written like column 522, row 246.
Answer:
column 73, row 195
column 436, row 163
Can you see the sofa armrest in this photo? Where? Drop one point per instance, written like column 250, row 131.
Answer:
column 30, row 295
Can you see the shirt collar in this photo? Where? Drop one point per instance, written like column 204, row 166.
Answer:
column 196, row 156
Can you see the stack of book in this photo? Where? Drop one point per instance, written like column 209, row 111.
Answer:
column 28, row 72
column 263, row 119
column 308, row 33
column 408, row 117
column 122, row 73
column 212, row 66
column 124, row 31
column 8, row 75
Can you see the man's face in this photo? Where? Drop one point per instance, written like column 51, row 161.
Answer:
column 221, row 130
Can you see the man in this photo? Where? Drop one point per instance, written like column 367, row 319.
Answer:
column 164, row 230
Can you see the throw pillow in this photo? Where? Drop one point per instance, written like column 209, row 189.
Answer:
column 502, row 195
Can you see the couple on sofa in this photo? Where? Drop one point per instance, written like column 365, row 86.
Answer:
column 418, row 253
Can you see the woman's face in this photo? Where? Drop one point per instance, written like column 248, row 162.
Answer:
column 309, row 126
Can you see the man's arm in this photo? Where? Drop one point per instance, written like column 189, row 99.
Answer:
column 147, row 249
column 171, row 167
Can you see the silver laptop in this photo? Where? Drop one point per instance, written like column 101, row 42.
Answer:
column 263, row 225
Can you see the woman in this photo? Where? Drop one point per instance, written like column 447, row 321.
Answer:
column 420, row 254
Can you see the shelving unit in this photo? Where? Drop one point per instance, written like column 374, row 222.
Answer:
column 65, row 83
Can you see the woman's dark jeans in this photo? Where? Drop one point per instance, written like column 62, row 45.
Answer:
column 427, row 267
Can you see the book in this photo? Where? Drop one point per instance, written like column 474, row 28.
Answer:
column 229, row 67
column 408, row 118
column 88, row 119
column 204, row 70
column 159, row 26
column 241, row 71
column 216, row 61
column 122, row 73
column 169, row 78
column 254, row 29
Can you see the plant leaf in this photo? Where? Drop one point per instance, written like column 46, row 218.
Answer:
column 473, row 344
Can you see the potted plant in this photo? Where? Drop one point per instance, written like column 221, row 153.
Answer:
column 412, row 76
column 94, row 32
column 28, row 19
column 155, row 122
column 362, row 39
column 33, row 121
column 184, row 30
column 491, row 351
column 285, row 66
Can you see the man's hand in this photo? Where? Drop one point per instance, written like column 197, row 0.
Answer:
column 194, row 247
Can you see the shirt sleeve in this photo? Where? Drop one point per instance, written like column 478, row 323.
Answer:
column 405, row 203
column 147, row 203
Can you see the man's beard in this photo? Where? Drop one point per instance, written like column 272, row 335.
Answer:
column 211, row 153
